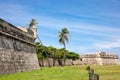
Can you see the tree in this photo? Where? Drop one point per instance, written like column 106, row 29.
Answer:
column 72, row 55
column 40, row 53
column 52, row 53
column 43, row 53
column 32, row 23
column 63, row 38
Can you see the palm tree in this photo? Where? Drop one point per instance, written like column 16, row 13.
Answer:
column 32, row 26
column 32, row 23
column 63, row 38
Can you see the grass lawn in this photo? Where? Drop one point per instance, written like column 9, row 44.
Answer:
column 68, row 73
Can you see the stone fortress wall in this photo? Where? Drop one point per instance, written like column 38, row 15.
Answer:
column 100, row 58
column 17, row 49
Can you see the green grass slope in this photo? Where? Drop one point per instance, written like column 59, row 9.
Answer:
column 67, row 73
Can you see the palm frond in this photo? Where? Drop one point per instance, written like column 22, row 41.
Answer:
column 63, row 36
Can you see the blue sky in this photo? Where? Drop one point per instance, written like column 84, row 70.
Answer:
column 93, row 24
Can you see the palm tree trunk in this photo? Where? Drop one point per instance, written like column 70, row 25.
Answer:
column 64, row 56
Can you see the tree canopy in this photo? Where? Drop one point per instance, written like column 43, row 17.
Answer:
column 63, row 36
column 54, row 53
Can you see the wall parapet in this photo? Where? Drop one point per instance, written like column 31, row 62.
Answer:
column 15, row 32
column 100, row 58
column 104, row 55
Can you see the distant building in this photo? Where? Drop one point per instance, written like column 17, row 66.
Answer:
column 100, row 58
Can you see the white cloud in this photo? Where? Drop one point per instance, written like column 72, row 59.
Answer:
column 108, row 45
column 57, row 23
column 19, row 14
column 111, row 33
